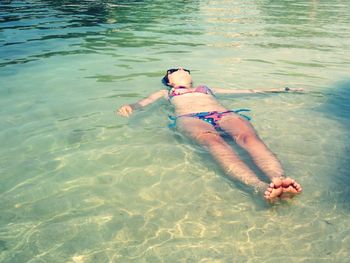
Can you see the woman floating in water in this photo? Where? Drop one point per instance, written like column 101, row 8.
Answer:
column 202, row 118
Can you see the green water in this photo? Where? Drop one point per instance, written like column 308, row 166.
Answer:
column 80, row 184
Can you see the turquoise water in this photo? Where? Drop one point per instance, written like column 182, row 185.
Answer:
column 80, row 184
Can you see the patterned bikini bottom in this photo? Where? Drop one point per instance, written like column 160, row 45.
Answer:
column 211, row 117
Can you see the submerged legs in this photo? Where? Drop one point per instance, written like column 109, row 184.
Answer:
column 246, row 137
column 205, row 134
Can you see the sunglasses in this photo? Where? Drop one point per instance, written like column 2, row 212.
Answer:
column 172, row 70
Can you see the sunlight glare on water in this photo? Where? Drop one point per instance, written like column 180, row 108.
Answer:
column 80, row 184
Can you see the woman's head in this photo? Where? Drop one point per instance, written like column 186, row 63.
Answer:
column 177, row 77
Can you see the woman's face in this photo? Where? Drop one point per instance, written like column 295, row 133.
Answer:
column 179, row 77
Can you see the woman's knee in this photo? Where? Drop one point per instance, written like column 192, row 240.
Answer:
column 209, row 138
column 247, row 138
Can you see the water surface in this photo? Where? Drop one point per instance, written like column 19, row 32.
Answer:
column 80, row 184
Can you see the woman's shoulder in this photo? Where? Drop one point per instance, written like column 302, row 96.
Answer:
column 203, row 89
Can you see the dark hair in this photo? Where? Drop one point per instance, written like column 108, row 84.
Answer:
column 165, row 80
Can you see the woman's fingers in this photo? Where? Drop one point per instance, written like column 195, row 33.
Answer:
column 125, row 110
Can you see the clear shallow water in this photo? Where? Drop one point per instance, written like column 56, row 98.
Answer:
column 79, row 184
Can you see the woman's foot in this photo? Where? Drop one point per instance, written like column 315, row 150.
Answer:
column 282, row 189
column 290, row 188
column 274, row 190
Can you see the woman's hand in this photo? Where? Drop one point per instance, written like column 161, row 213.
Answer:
column 125, row 110
column 293, row 89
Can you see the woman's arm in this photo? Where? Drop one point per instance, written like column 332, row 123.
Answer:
column 127, row 110
column 255, row 91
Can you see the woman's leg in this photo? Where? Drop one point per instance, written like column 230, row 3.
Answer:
column 245, row 136
column 206, row 135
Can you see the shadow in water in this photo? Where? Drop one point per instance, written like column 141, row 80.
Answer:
column 337, row 107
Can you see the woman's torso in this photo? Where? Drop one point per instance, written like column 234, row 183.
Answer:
column 199, row 99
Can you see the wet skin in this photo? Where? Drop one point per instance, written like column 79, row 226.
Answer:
column 241, row 131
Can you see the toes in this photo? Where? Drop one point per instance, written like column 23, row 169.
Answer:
column 295, row 183
column 282, row 189
column 267, row 194
column 287, row 182
column 297, row 186
column 268, row 191
column 277, row 182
